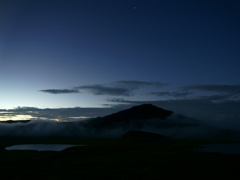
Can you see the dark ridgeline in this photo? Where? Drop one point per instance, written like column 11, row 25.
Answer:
column 15, row 121
column 137, row 115
column 145, row 118
column 145, row 111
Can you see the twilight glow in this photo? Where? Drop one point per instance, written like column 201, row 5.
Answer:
column 92, row 58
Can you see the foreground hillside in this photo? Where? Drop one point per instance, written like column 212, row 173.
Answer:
column 124, row 158
column 157, row 153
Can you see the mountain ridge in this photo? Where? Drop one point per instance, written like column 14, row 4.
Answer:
column 144, row 111
column 135, row 116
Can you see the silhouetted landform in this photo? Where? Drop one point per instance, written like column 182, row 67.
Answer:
column 145, row 111
column 152, row 119
column 15, row 121
column 146, row 118
column 145, row 136
column 136, row 115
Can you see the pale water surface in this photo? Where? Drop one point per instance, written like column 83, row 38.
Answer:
column 41, row 147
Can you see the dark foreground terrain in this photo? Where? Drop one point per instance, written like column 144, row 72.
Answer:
column 124, row 158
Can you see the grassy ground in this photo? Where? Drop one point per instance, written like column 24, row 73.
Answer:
column 117, row 159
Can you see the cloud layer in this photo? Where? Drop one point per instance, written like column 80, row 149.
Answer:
column 117, row 88
column 174, row 126
column 105, row 90
column 235, row 89
column 131, row 88
column 172, row 94
column 138, row 84
column 60, row 91
column 215, row 103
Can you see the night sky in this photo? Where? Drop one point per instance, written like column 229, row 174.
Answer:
column 180, row 55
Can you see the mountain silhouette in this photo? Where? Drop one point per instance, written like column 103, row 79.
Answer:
column 136, row 122
column 152, row 119
column 145, row 111
column 135, row 116
column 139, row 121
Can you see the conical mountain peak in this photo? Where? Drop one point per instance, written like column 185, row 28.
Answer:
column 145, row 111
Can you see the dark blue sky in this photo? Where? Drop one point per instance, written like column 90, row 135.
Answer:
column 92, row 53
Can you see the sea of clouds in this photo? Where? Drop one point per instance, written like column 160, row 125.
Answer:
column 175, row 126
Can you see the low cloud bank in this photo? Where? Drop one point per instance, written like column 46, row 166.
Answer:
column 42, row 128
column 174, row 126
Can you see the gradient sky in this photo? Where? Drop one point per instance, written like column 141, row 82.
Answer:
column 98, row 53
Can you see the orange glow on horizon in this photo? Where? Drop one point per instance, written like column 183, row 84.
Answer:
column 16, row 117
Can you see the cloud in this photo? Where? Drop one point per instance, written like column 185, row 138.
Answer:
column 42, row 128
column 221, row 92
column 57, row 114
column 106, row 90
column 233, row 89
column 118, row 88
column 175, row 126
column 214, row 98
column 138, row 84
column 60, row 91
column 225, row 115
column 211, row 103
column 171, row 94
column 118, row 100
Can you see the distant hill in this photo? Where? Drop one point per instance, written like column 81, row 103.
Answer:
column 136, row 115
column 152, row 119
column 145, row 111
column 138, row 119
column 15, row 121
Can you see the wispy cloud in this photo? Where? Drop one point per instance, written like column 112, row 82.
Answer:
column 60, row 91
column 172, row 94
column 219, row 93
column 138, row 84
column 58, row 114
column 105, row 90
column 116, row 88
column 119, row 88
column 235, row 89
column 212, row 102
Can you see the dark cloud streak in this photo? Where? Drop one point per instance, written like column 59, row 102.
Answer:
column 119, row 88
column 139, row 84
column 171, row 94
column 235, row 89
column 60, row 91
column 105, row 90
